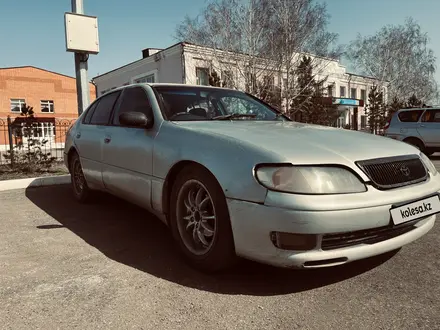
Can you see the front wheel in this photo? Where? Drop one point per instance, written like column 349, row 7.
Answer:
column 199, row 220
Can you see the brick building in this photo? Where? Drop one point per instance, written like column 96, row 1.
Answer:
column 52, row 96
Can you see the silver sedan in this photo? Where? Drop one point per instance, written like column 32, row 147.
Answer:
column 232, row 176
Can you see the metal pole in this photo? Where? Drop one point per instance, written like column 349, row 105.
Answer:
column 82, row 85
column 11, row 142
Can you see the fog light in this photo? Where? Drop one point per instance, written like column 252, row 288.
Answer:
column 288, row 241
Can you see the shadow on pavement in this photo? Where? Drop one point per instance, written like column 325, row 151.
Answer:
column 130, row 235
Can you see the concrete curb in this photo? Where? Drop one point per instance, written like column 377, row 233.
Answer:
column 34, row 182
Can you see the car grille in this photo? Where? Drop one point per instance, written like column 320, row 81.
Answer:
column 393, row 172
column 369, row 236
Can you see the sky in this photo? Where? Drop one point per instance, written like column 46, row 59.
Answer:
column 32, row 31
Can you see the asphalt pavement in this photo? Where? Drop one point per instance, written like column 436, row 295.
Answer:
column 111, row 265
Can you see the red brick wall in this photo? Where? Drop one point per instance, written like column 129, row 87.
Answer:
column 33, row 85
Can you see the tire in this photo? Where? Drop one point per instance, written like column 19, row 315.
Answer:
column 205, row 236
column 416, row 143
column 81, row 190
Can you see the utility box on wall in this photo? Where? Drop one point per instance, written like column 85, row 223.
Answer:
column 81, row 33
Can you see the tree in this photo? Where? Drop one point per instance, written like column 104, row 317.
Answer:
column 256, row 39
column 271, row 95
column 375, row 110
column 414, row 102
column 397, row 56
column 214, row 79
column 28, row 157
column 309, row 105
column 299, row 27
column 235, row 32
column 394, row 106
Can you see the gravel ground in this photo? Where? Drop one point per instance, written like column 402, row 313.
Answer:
column 111, row 265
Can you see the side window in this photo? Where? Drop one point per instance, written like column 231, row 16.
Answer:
column 410, row 116
column 134, row 99
column 89, row 112
column 431, row 116
column 103, row 110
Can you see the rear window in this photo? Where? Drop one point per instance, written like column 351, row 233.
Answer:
column 410, row 116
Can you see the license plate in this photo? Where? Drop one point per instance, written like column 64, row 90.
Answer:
column 415, row 210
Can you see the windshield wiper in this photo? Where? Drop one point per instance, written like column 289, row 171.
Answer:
column 234, row 115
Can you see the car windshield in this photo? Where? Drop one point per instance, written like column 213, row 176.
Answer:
column 197, row 103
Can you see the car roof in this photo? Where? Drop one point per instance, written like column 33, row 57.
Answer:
column 175, row 85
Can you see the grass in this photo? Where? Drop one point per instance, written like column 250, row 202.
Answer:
column 8, row 173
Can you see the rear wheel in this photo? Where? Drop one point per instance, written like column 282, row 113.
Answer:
column 199, row 220
column 81, row 190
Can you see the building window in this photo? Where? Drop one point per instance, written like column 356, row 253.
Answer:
column 202, row 76
column 363, row 95
column 353, row 93
column 228, row 79
column 330, row 90
column 269, row 82
column 251, row 80
column 17, row 105
column 47, row 106
column 342, row 91
column 363, row 122
column 149, row 79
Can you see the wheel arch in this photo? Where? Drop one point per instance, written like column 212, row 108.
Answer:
column 171, row 178
column 414, row 138
column 71, row 152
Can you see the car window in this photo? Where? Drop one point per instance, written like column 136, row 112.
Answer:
column 199, row 103
column 410, row 116
column 431, row 116
column 233, row 104
column 89, row 112
column 133, row 99
column 101, row 115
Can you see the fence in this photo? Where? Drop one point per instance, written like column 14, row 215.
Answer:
column 16, row 134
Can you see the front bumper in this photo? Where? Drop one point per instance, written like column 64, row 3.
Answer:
column 252, row 225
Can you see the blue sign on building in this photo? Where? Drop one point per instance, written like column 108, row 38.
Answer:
column 344, row 101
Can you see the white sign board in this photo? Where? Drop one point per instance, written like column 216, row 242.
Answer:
column 81, row 33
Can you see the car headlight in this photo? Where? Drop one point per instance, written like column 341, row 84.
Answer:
column 429, row 165
column 309, row 179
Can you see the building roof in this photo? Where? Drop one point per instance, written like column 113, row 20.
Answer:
column 41, row 69
column 142, row 59
column 195, row 45
column 37, row 68
column 362, row 76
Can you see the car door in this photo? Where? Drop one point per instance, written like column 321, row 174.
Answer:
column 429, row 128
column 128, row 151
column 89, row 138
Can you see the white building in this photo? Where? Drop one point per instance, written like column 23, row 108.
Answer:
column 190, row 64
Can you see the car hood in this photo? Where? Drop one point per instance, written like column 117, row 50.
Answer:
column 304, row 143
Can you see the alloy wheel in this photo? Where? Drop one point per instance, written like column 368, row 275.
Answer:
column 196, row 217
column 78, row 177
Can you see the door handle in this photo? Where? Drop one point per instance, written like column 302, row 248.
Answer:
column 421, row 125
column 78, row 135
column 107, row 140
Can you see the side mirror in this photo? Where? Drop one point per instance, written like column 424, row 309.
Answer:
column 135, row 119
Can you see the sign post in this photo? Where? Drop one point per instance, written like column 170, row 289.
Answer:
column 82, row 39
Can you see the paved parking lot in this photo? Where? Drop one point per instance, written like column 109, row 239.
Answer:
column 111, row 265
